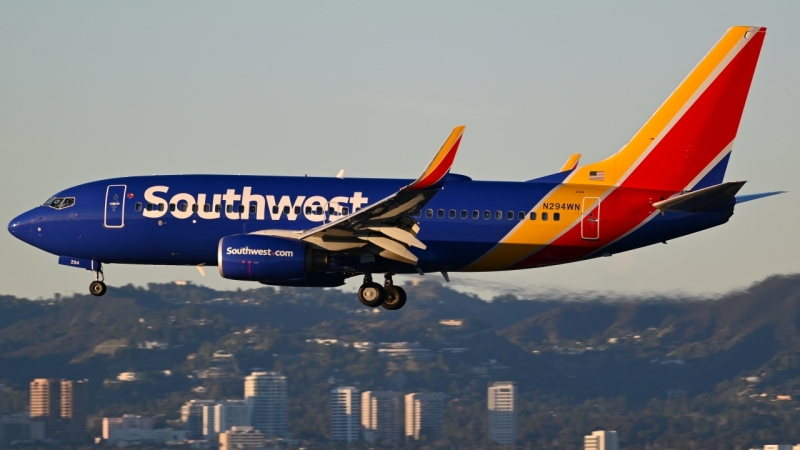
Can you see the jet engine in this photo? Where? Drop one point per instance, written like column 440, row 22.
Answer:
column 252, row 257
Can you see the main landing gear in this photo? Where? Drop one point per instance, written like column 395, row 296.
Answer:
column 389, row 296
column 97, row 287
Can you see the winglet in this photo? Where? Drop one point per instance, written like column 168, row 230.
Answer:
column 439, row 167
column 572, row 163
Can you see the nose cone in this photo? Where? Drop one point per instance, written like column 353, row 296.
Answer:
column 20, row 227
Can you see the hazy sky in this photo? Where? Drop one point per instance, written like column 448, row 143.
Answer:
column 91, row 90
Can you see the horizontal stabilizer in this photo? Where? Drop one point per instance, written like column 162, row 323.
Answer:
column 748, row 197
column 708, row 199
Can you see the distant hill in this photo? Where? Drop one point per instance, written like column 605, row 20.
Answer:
column 716, row 354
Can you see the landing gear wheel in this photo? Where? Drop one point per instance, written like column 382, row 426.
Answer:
column 97, row 288
column 371, row 294
column 394, row 298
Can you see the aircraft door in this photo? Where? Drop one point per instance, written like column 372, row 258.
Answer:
column 114, row 216
column 590, row 219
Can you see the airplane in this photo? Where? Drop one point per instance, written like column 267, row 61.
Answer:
column 666, row 182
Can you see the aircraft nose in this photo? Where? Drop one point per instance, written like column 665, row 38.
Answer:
column 20, row 226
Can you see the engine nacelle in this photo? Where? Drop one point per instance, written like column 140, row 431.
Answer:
column 253, row 257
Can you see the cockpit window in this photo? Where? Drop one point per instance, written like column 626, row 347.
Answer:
column 60, row 203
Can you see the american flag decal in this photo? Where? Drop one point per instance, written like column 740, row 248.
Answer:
column 597, row 175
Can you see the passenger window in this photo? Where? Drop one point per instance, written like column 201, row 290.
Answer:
column 206, row 207
column 319, row 210
column 252, row 209
column 138, row 206
column 229, row 208
column 331, row 211
column 149, row 206
column 498, row 215
column 194, row 207
column 345, row 210
column 160, row 206
column 522, row 215
column 556, row 216
column 544, row 216
column 440, row 213
column 429, row 213
column 476, row 214
column 533, row 215
column 241, row 208
column 510, row 215
column 217, row 208
column 487, row 214
column 286, row 210
column 308, row 210
column 464, row 213
column 183, row 207
column 452, row 214
column 172, row 206
column 275, row 209
column 418, row 214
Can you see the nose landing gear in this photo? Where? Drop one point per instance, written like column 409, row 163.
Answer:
column 388, row 296
column 98, row 287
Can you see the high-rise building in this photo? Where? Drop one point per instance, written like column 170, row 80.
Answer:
column 381, row 416
column 221, row 416
column 265, row 392
column 126, row 422
column 425, row 416
column 241, row 438
column 192, row 417
column 345, row 417
column 45, row 404
column 74, row 410
column 502, row 413
column 601, row 440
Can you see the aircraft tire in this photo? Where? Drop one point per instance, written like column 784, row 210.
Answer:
column 97, row 288
column 371, row 294
column 394, row 298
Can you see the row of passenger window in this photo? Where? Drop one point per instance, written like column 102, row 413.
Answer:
column 240, row 208
column 487, row 215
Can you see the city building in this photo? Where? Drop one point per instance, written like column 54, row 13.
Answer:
column 126, row 422
column 265, row 392
column 502, row 413
column 221, row 416
column 424, row 416
column 345, row 417
column 45, row 404
column 128, row 437
column 381, row 416
column 241, row 438
column 74, row 410
column 192, row 417
column 601, row 440
column 780, row 447
column 20, row 428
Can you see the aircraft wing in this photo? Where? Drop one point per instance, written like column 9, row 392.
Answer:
column 387, row 224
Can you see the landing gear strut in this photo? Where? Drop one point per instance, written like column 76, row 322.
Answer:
column 394, row 296
column 97, row 287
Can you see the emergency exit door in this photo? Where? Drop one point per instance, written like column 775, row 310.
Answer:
column 590, row 219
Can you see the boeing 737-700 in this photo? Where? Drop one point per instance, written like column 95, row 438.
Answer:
column 666, row 182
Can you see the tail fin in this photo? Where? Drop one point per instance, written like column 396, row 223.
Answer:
column 687, row 142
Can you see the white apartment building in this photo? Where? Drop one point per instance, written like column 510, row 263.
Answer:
column 241, row 438
column 601, row 440
column 192, row 417
column 265, row 392
column 345, row 417
column 381, row 416
column 126, row 422
column 424, row 415
column 502, row 412
column 221, row 416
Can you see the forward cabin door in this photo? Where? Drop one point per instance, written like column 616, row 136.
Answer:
column 114, row 216
column 590, row 219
